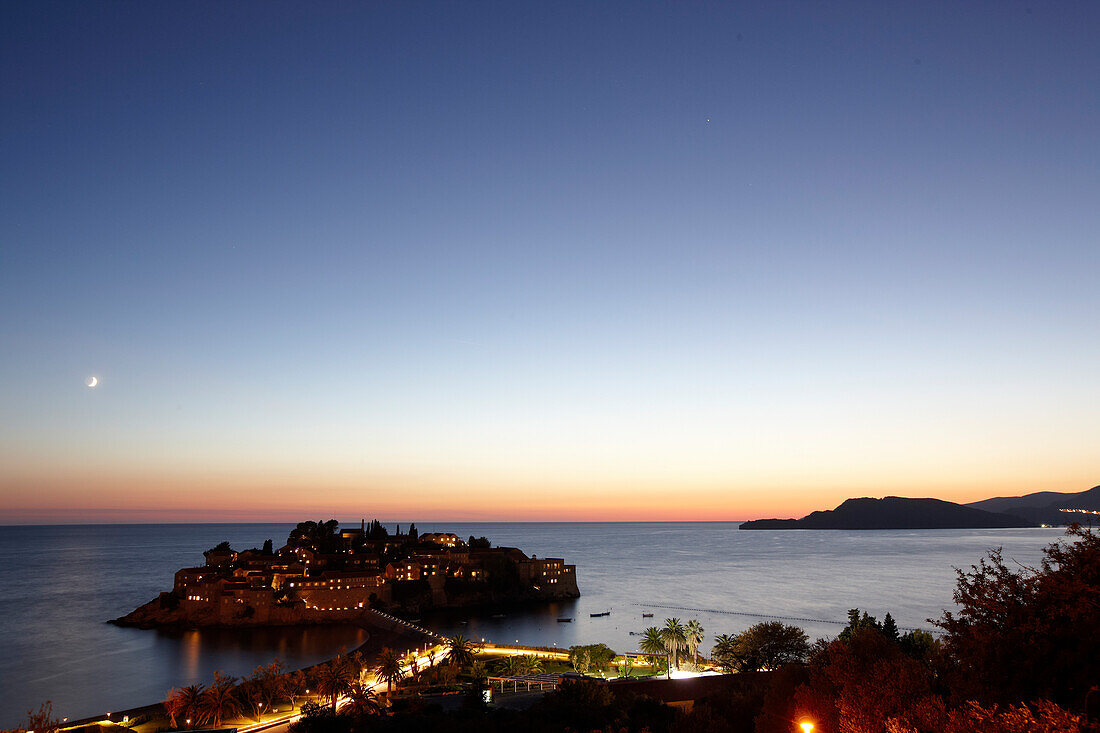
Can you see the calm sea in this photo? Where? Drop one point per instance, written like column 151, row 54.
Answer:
column 58, row 585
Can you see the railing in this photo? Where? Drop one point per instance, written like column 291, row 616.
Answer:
column 542, row 684
column 531, row 649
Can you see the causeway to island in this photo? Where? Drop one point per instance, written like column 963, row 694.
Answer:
column 325, row 574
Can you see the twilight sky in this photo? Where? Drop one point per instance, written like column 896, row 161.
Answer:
column 531, row 261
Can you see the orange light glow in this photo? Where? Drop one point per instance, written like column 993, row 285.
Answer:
column 111, row 493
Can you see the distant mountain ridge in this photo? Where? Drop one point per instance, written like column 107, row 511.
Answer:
column 895, row 512
column 1042, row 507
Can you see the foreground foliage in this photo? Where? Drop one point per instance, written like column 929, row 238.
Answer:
column 580, row 705
column 39, row 721
column 586, row 657
column 1021, row 654
column 1028, row 633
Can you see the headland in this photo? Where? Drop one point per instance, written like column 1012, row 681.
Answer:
column 895, row 512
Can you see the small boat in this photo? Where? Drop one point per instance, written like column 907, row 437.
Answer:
column 498, row 615
column 565, row 620
column 605, row 613
column 647, row 615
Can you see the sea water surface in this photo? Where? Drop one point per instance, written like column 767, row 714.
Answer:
column 60, row 584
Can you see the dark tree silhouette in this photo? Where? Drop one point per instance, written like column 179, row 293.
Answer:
column 890, row 628
column 767, row 645
column 389, row 668
column 460, row 650
column 219, row 700
column 334, row 678
column 319, row 536
column 375, row 531
column 1027, row 633
column 41, row 720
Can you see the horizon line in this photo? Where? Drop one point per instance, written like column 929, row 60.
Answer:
column 384, row 522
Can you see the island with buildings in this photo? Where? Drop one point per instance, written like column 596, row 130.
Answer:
column 325, row 574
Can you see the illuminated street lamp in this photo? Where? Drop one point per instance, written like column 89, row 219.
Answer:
column 806, row 726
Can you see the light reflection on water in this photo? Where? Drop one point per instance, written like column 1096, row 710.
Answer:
column 62, row 583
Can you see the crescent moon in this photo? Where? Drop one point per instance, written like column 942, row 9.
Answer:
column 92, row 381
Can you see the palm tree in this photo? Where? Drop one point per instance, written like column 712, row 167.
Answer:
column 189, row 699
column 694, row 632
column 389, row 668
column 460, row 650
column 334, row 678
column 530, row 664
column 506, row 667
column 723, row 651
column 675, row 639
column 518, row 665
column 722, row 643
column 363, row 701
column 219, row 701
column 653, row 643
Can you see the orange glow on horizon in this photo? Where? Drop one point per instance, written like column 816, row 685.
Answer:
column 213, row 496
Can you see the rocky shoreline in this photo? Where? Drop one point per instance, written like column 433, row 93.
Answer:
column 155, row 615
column 158, row 614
